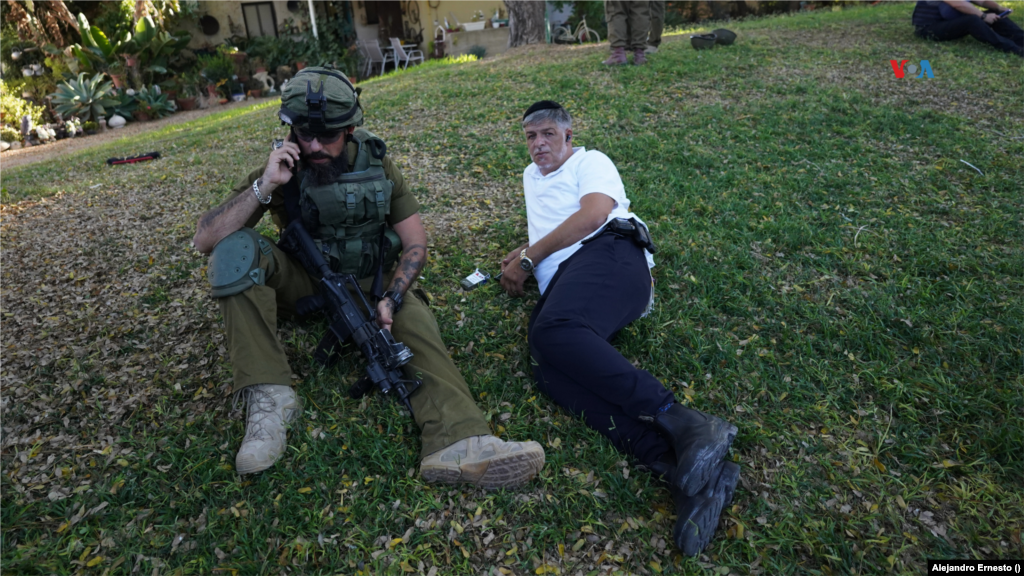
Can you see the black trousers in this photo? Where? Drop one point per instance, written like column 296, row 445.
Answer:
column 598, row 291
column 1004, row 34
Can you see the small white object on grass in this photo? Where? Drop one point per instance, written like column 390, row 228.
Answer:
column 972, row 166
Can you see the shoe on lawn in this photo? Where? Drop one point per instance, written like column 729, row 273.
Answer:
column 697, row 516
column 639, row 59
column 486, row 461
column 700, row 442
column 269, row 409
column 618, row 58
column 651, row 49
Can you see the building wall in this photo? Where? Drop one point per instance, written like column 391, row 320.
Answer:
column 462, row 10
column 232, row 22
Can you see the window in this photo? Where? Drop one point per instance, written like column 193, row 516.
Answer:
column 371, row 13
column 260, row 19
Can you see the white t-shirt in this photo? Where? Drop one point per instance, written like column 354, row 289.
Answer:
column 552, row 199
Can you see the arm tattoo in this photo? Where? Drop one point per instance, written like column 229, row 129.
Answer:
column 207, row 219
column 413, row 259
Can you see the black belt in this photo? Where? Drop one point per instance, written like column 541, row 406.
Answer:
column 627, row 228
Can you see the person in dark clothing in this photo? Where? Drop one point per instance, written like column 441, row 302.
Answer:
column 591, row 257
column 952, row 19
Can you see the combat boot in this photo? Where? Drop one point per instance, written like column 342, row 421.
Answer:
column 639, row 59
column 618, row 57
column 697, row 516
column 485, row 461
column 700, row 442
column 269, row 409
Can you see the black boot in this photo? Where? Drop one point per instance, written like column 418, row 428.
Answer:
column 697, row 516
column 700, row 442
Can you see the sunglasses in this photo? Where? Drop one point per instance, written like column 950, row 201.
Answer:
column 323, row 137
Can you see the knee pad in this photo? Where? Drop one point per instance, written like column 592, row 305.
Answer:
column 235, row 263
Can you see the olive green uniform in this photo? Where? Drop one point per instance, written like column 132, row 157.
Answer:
column 443, row 406
column 657, row 22
column 628, row 23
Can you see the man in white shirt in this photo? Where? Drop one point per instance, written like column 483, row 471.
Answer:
column 592, row 258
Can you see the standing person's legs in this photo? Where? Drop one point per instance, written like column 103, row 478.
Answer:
column 604, row 286
column 616, row 14
column 639, row 24
column 657, row 24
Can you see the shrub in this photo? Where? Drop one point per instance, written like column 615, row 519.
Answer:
column 14, row 107
column 478, row 51
column 8, row 134
column 86, row 98
column 153, row 104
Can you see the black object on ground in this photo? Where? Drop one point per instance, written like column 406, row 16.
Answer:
column 703, row 41
column 134, row 159
column 724, row 37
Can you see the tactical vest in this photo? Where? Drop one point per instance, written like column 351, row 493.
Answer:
column 347, row 217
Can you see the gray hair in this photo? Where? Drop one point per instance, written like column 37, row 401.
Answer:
column 560, row 116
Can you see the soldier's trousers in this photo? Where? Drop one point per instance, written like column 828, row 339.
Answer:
column 657, row 22
column 628, row 23
column 443, row 407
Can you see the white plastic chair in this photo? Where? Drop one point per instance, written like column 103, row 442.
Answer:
column 403, row 56
column 374, row 56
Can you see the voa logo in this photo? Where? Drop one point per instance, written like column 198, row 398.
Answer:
column 902, row 69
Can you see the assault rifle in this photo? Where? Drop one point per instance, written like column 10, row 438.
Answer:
column 384, row 356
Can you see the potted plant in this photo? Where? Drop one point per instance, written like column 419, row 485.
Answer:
column 254, row 88
column 190, row 90
column 90, row 127
column 116, row 71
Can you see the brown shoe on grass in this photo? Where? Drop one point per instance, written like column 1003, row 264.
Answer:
column 485, row 461
column 639, row 59
column 618, row 58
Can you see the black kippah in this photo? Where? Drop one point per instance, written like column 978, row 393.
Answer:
column 542, row 105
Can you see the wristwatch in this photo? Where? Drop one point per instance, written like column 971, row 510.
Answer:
column 396, row 297
column 524, row 261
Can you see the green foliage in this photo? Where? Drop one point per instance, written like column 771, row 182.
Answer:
column 217, row 68
column 152, row 104
column 155, row 48
column 90, row 125
column 14, row 106
column 269, row 50
column 38, row 87
column 85, row 98
column 830, row 277
column 478, row 51
column 117, row 17
column 97, row 52
column 8, row 134
column 124, row 105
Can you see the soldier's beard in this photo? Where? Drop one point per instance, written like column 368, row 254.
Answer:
column 328, row 172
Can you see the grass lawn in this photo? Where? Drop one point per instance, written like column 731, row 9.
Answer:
column 831, row 277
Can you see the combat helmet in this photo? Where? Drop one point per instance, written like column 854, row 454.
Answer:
column 320, row 99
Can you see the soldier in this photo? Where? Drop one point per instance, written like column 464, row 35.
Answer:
column 351, row 198
column 628, row 24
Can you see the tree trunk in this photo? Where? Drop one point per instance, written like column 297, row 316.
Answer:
column 719, row 10
column 526, row 22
